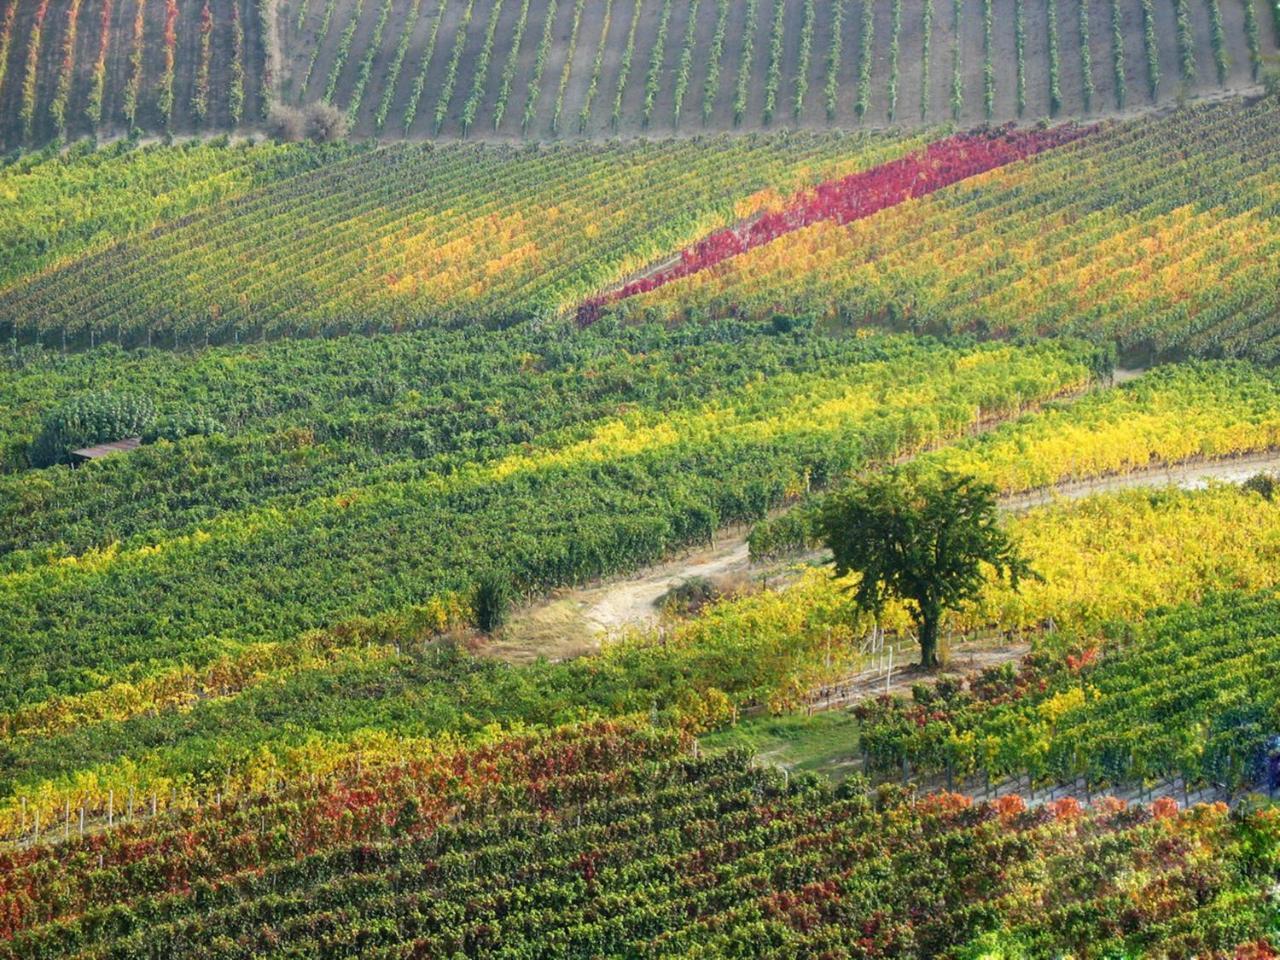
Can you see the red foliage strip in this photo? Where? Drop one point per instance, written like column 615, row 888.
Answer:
column 859, row 195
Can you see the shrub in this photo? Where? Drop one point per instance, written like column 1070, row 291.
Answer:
column 1263, row 484
column 88, row 419
column 325, row 123
column 286, row 123
column 689, row 596
column 493, row 601
column 1271, row 81
column 189, row 423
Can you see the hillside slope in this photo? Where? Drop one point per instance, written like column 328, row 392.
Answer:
column 543, row 69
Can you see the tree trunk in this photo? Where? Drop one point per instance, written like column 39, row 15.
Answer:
column 929, row 640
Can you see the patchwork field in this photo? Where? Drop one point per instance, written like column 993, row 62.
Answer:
column 846, row 528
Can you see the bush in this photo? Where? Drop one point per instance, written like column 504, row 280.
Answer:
column 783, row 535
column 1271, row 80
column 689, row 596
column 320, row 122
column 325, row 123
column 177, row 426
column 286, row 124
column 1263, row 484
column 86, row 420
column 494, row 597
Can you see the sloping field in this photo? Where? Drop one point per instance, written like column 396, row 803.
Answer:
column 519, row 844
column 1158, row 233
column 1161, row 235
column 545, row 69
column 409, row 235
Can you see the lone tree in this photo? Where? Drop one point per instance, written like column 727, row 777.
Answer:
column 926, row 539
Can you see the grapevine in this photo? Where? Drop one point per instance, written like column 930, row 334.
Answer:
column 397, row 64
column 1086, row 61
column 711, row 86
column 419, row 83
column 685, row 64
column 539, row 64
column 1117, row 55
column 926, row 54
column 742, row 87
column 509, row 68
column 773, row 70
column 895, row 31
column 1055, row 84
column 366, row 62
column 568, row 65
column 98, row 79
column 831, row 90
column 584, row 115
column 58, row 108
column 865, row 47
column 480, row 78
column 801, row 86
column 343, row 52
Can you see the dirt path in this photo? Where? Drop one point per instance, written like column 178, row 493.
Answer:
column 1186, row 476
column 574, row 621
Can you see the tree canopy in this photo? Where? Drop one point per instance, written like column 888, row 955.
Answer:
column 930, row 539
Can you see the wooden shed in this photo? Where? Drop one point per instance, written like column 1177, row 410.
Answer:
column 85, row 454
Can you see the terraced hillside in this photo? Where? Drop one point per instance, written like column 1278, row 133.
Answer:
column 544, row 69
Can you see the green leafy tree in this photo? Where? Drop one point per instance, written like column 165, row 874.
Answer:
column 928, row 539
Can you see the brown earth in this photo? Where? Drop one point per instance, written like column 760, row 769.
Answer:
column 297, row 48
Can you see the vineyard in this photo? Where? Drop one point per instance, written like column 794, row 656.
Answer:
column 548, row 69
column 430, row 235
column 1159, row 235
column 1189, row 694
column 803, row 483
column 520, row 844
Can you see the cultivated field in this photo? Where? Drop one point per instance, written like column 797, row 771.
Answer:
column 848, row 528
column 556, row 69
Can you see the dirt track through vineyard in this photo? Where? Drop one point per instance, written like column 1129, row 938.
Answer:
column 585, row 616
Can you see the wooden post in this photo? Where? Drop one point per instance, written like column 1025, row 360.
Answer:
column 111, row 808
column 82, row 820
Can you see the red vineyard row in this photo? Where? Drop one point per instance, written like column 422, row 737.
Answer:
column 855, row 197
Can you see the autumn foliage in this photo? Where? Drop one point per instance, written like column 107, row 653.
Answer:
column 855, row 197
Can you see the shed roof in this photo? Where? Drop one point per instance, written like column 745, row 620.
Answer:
column 104, row 449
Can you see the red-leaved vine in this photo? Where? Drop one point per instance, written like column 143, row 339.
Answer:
column 854, row 197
